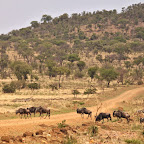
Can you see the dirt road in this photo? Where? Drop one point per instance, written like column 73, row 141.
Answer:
column 18, row 126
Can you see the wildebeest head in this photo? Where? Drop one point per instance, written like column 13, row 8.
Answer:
column 17, row 111
column 97, row 118
column 114, row 113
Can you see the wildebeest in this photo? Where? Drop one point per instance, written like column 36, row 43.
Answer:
column 23, row 111
column 140, row 111
column 32, row 110
column 83, row 111
column 103, row 116
column 80, row 111
column 42, row 110
column 120, row 114
column 141, row 120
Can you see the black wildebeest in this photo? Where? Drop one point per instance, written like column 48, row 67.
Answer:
column 83, row 111
column 141, row 120
column 120, row 114
column 23, row 111
column 32, row 110
column 103, row 116
column 42, row 110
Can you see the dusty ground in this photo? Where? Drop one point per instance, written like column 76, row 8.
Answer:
column 19, row 126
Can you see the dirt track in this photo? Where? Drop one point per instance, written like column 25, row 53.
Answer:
column 18, row 126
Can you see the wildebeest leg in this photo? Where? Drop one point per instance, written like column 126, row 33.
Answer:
column 40, row 115
column 110, row 118
column 88, row 116
column 46, row 116
column 82, row 115
column 30, row 115
column 128, row 120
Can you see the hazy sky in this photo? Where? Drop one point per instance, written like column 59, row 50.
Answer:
column 15, row 14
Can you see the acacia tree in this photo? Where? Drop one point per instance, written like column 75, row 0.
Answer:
column 108, row 74
column 34, row 24
column 61, row 71
column 21, row 70
column 46, row 18
column 81, row 65
column 73, row 57
column 92, row 72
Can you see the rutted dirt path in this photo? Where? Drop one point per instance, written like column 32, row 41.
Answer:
column 18, row 126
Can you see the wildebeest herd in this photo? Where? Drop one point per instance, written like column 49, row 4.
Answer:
column 101, row 116
column 25, row 112
column 119, row 114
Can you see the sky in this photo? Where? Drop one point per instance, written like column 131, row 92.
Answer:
column 16, row 14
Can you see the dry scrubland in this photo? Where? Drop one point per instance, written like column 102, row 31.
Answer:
column 100, row 50
column 62, row 101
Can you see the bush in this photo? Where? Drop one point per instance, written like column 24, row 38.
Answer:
column 70, row 140
column 9, row 88
column 133, row 141
column 18, row 84
column 79, row 75
column 78, row 102
column 140, row 82
column 93, row 130
column 75, row 92
column 90, row 91
column 62, row 124
column 33, row 86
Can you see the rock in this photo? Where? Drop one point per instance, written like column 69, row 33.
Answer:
column 64, row 131
column 48, row 135
column 40, row 132
column 19, row 139
column 5, row 138
column 28, row 134
column 84, row 124
column 74, row 131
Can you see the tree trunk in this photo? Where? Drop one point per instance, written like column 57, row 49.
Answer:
column 108, row 84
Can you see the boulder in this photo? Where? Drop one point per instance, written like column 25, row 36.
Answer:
column 28, row 134
column 40, row 132
column 5, row 139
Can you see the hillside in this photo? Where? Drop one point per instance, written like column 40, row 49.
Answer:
column 70, row 45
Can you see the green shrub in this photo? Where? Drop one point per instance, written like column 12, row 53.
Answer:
column 8, row 88
column 79, row 75
column 18, row 84
column 62, row 124
column 93, row 130
column 133, row 141
column 70, row 140
column 75, row 92
column 33, row 86
column 78, row 102
column 90, row 91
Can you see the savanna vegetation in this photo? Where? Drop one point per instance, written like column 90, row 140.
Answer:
column 76, row 56
column 103, row 45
